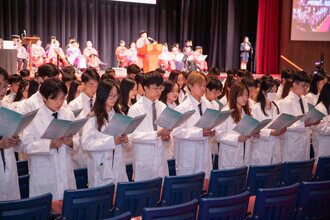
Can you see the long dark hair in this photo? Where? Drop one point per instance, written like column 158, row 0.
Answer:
column 99, row 108
column 126, row 85
column 73, row 90
column 265, row 86
column 236, row 90
column 316, row 78
column 168, row 87
column 229, row 82
column 325, row 96
column 22, row 86
column 286, row 88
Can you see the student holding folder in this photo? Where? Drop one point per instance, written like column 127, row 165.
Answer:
column 234, row 147
column 105, row 161
column 9, row 189
column 50, row 161
column 266, row 150
column 149, row 154
column 192, row 144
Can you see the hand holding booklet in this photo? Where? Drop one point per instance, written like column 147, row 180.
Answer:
column 122, row 124
column 63, row 128
column 249, row 126
column 284, row 121
column 12, row 123
column 212, row 118
column 170, row 118
column 313, row 116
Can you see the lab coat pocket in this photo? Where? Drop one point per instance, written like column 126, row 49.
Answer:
column 105, row 169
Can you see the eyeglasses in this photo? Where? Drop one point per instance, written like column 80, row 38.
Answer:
column 112, row 97
column 157, row 88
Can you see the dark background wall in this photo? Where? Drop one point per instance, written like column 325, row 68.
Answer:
column 303, row 53
column 216, row 25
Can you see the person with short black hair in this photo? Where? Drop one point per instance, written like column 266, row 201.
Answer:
column 14, row 81
column 213, row 91
column 25, row 74
column 285, row 75
column 133, row 70
column 9, row 187
column 68, row 76
column 50, row 156
column 297, row 137
column 251, row 84
column 149, row 158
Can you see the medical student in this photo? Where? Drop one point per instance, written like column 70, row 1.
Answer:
column 235, row 148
column 297, row 136
column 323, row 129
column 105, row 161
column 149, row 154
column 192, row 144
column 9, row 188
column 50, row 161
column 266, row 150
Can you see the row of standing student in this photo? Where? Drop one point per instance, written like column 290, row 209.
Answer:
column 150, row 145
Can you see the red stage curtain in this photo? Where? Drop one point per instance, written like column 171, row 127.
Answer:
column 268, row 36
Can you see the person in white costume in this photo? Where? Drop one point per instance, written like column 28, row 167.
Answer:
column 149, row 154
column 192, row 145
column 266, row 150
column 297, row 136
column 235, row 148
column 9, row 189
column 50, row 161
column 105, row 161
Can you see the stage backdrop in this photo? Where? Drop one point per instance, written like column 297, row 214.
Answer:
column 217, row 25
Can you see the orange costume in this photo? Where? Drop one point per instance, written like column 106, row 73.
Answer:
column 121, row 54
column 56, row 56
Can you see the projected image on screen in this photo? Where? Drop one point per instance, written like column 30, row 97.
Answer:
column 310, row 20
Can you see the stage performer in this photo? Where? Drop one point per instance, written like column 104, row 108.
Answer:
column 121, row 54
column 75, row 57
column 22, row 56
column 38, row 54
column 199, row 59
column 56, row 55
column 92, row 56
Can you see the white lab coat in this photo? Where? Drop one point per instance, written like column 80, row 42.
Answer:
column 265, row 150
column 297, row 139
column 149, row 154
column 232, row 153
column 312, row 99
column 192, row 150
column 79, row 157
column 105, row 160
column 31, row 103
column 8, row 99
column 9, row 188
column 323, row 132
column 51, row 169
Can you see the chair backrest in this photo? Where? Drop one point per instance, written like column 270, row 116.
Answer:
column 277, row 203
column 24, row 189
column 182, row 189
column 22, row 167
column 134, row 196
column 313, row 200
column 268, row 176
column 230, row 207
column 227, row 182
column 36, row 208
column 323, row 169
column 124, row 216
column 296, row 172
column 81, row 178
column 93, row 203
column 184, row 211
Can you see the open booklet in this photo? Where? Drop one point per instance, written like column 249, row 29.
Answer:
column 249, row 126
column 313, row 115
column 171, row 118
column 63, row 128
column 202, row 58
column 12, row 123
column 284, row 121
column 212, row 118
column 123, row 124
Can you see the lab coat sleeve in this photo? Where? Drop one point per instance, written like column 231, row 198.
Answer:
column 226, row 136
column 324, row 126
column 94, row 140
column 184, row 133
column 33, row 146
